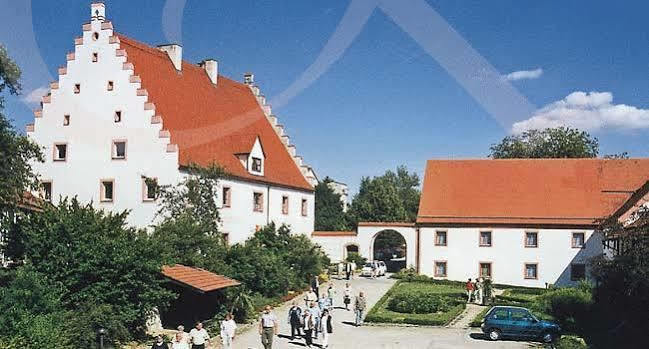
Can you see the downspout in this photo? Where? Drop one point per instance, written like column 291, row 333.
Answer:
column 417, row 250
column 267, row 204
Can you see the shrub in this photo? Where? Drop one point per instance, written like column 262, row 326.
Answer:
column 421, row 303
column 355, row 257
column 568, row 306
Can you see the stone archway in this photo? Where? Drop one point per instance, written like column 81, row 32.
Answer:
column 389, row 246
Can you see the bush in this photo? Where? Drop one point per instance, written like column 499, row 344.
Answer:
column 355, row 257
column 421, row 303
column 570, row 307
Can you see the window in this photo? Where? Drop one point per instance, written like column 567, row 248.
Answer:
column 440, row 238
column 531, row 270
column 531, row 239
column 77, row 88
column 284, row 204
column 119, row 150
column 485, row 269
column 60, row 152
column 226, row 238
column 256, row 164
column 577, row 271
column 258, row 202
column 499, row 313
column 46, row 190
column 578, row 240
column 118, row 116
column 521, row 315
column 106, row 190
column 95, row 36
column 66, row 120
column 226, row 197
column 149, row 189
column 95, row 57
column 304, row 208
column 440, row 269
column 485, row 238
column 110, row 86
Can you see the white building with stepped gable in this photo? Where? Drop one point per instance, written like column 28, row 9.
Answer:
column 123, row 112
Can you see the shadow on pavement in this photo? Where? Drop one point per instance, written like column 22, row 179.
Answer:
column 350, row 323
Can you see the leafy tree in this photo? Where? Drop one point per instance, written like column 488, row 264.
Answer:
column 387, row 198
column 97, row 260
column 17, row 152
column 560, row 142
column 329, row 213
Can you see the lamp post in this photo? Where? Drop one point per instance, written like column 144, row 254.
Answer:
column 102, row 333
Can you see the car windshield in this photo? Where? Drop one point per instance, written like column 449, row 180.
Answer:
column 369, row 265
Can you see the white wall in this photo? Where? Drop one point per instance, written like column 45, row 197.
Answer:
column 507, row 254
column 334, row 246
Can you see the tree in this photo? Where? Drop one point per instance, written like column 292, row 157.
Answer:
column 329, row 213
column 17, row 152
column 560, row 142
column 388, row 198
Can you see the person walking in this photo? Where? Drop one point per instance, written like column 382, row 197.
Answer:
column 326, row 328
column 348, row 269
column 359, row 307
column 309, row 325
column 347, row 296
column 268, row 327
column 331, row 293
column 469, row 290
column 479, row 285
column 315, row 286
column 159, row 343
column 295, row 319
column 184, row 335
column 315, row 311
column 199, row 336
column 228, row 329
column 179, row 342
column 309, row 298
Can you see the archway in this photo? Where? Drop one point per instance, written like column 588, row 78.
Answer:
column 350, row 248
column 390, row 247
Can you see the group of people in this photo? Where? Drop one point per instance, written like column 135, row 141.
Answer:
column 198, row 337
column 475, row 291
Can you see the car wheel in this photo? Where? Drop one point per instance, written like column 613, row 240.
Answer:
column 494, row 334
column 547, row 337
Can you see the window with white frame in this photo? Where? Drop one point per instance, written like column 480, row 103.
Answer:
column 440, row 268
column 110, row 86
column 226, row 196
column 578, row 240
column 485, row 269
column 118, row 116
column 304, row 208
column 485, row 238
column 256, row 164
column 107, row 189
column 66, row 120
column 77, row 88
column 440, row 238
column 119, row 150
column 531, row 239
column 531, row 270
column 284, row 204
column 149, row 189
column 46, row 190
column 60, row 151
column 258, row 202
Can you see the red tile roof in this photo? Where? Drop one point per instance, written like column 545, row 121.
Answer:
column 205, row 120
column 528, row 191
column 197, row 278
column 333, row 233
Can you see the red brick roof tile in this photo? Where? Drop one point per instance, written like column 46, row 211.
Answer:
column 197, row 278
column 205, row 119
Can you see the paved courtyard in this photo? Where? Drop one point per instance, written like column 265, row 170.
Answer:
column 347, row 336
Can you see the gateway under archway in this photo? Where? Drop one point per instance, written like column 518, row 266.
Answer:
column 390, row 247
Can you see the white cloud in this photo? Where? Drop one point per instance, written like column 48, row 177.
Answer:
column 524, row 74
column 35, row 95
column 589, row 111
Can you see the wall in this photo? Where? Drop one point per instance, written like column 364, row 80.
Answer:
column 507, row 254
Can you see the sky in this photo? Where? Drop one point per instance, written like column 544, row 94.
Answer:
column 363, row 86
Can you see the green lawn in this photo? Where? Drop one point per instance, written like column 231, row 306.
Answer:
column 381, row 313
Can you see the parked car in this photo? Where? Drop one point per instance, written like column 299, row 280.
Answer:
column 382, row 268
column 517, row 322
column 369, row 269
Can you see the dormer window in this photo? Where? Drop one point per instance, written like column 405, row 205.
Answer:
column 256, row 165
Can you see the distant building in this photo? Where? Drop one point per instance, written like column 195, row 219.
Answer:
column 342, row 190
column 124, row 113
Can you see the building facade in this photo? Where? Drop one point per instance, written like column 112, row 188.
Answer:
column 124, row 115
column 521, row 222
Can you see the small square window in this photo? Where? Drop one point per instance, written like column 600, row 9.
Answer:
column 46, row 191
column 77, row 88
column 110, row 86
column 304, row 208
column 150, row 189
column 227, row 199
column 485, row 270
column 60, row 152
column 284, row 204
column 119, row 150
column 256, row 164
column 440, row 238
column 485, row 238
column 107, row 190
column 577, row 271
column 531, row 239
column 118, row 116
column 258, row 202
column 95, row 57
column 578, row 240
column 66, row 120
column 531, row 271
column 440, row 269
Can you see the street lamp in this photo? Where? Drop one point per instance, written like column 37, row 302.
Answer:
column 102, row 333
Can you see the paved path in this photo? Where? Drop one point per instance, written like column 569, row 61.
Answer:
column 464, row 319
column 376, row 337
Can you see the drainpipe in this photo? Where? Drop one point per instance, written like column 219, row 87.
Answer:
column 417, row 250
column 267, row 204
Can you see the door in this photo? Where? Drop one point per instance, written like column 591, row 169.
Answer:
column 523, row 324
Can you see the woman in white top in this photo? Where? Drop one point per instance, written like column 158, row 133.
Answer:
column 228, row 328
column 347, row 295
column 179, row 341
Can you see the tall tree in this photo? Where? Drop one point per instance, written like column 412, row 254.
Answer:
column 329, row 213
column 560, row 142
column 407, row 185
column 17, row 152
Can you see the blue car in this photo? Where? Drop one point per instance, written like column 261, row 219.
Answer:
column 517, row 322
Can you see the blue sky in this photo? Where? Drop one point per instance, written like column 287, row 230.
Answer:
column 386, row 101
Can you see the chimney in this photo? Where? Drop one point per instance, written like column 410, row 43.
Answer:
column 211, row 67
column 248, row 78
column 97, row 11
column 175, row 53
